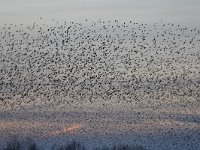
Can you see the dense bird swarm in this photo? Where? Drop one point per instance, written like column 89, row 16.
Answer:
column 77, row 62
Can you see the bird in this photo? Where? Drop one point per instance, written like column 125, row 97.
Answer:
column 77, row 61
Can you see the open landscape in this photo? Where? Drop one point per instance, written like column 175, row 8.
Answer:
column 98, row 84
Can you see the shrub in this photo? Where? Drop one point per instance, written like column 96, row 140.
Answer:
column 13, row 144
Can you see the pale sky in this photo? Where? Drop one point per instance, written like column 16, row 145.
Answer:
column 28, row 11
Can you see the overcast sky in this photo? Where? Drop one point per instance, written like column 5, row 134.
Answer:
column 28, row 11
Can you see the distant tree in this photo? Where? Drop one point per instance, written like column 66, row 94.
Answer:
column 74, row 146
column 13, row 144
column 32, row 146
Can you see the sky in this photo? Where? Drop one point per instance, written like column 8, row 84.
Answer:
column 28, row 11
column 107, row 116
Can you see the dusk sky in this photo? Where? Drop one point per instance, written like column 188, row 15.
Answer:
column 100, row 71
column 27, row 11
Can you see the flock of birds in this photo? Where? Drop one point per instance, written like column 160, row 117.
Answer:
column 98, row 60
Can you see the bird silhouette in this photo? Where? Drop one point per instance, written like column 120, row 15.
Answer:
column 126, row 61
